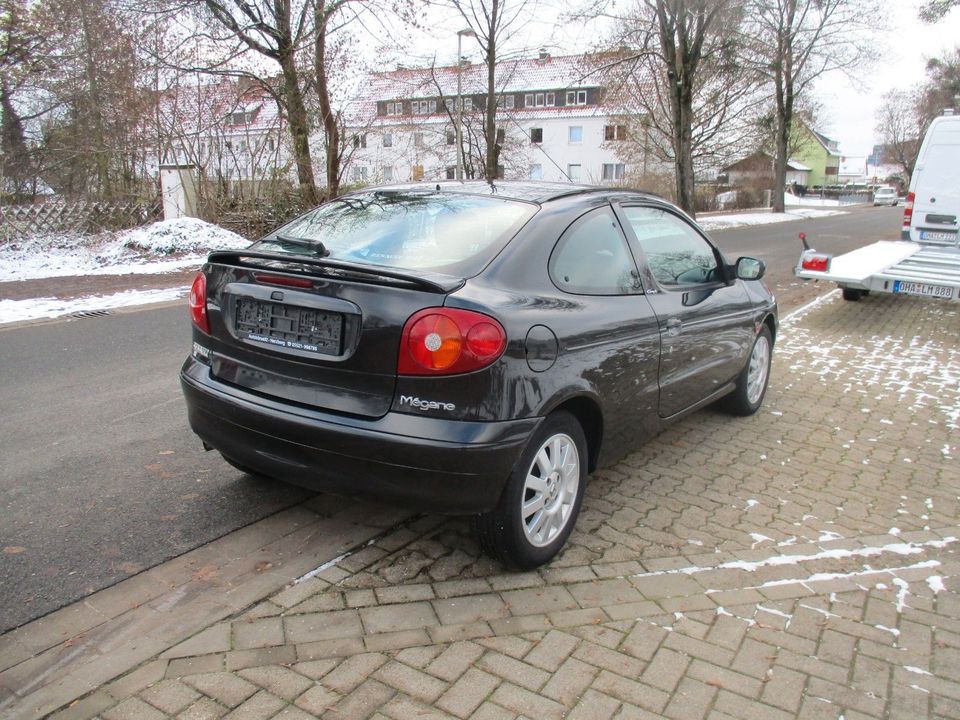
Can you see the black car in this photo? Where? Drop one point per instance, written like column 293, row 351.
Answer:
column 473, row 348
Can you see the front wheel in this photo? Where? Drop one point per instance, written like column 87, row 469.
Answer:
column 542, row 498
column 747, row 398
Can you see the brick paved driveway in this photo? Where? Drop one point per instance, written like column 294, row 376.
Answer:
column 799, row 563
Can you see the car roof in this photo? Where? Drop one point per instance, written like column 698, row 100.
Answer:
column 538, row 192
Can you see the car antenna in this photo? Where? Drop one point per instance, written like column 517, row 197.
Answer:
column 803, row 239
column 438, row 187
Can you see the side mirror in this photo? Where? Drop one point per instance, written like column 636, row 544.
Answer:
column 749, row 268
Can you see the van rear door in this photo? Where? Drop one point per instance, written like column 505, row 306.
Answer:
column 936, row 185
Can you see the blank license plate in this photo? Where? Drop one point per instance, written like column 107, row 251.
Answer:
column 923, row 289
column 289, row 326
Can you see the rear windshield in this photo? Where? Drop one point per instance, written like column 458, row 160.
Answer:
column 437, row 232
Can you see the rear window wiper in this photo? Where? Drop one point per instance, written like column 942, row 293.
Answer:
column 318, row 248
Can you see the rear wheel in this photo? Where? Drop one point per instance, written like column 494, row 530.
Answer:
column 852, row 294
column 541, row 501
column 753, row 379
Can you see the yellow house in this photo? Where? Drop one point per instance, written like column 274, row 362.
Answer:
column 819, row 153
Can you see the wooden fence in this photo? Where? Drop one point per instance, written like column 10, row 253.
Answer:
column 53, row 218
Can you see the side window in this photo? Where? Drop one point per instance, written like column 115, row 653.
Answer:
column 592, row 258
column 676, row 253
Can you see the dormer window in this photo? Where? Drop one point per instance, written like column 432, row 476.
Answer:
column 576, row 97
column 243, row 116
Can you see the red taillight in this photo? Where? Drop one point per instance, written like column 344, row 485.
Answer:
column 908, row 210
column 817, row 263
column 198, row 303
column 446, row 341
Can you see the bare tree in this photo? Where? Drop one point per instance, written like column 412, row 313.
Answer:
column 277, row 30
column 900, row 129
column 682, row 92
column 493, row 23
column 21, row 54
column 935, row 10
column 795, row 42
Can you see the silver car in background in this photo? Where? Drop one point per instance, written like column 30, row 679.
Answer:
column 885, row 196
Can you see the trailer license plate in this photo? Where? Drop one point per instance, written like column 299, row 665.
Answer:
column 928, row 235
column 923, row 289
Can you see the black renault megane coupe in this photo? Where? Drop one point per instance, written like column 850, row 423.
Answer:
column 472, row 348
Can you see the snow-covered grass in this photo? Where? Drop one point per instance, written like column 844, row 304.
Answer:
column 723, row 222
column 12, row 311
column 164, row 246
column 809, row 201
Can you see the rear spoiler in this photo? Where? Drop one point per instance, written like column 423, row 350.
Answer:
column 433, row 282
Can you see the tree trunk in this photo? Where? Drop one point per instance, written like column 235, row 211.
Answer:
column 490, row 124
column 299, row 128
column 17, row 163
column 331, row 131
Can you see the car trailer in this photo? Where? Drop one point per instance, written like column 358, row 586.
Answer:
column 897, row 267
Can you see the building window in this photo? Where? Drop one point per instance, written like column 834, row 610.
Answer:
column 452, row 172
column 418, row 172
column 536, row 171
column 359, row 174
column 418, row 139
column 508, row 101
column 395, row 108
column 551, row 99
column 576, row 97
column 575, row 134
column 573, row 173
column 501, row 135
column 539, row 100
column 432, row 106
column 451, row 137
column 536, row 135
column 528, row 100
column 388, row 173
column 614, row 132
column 613, row 171
column 360, row 140
column 467, row 104
column 388, row 139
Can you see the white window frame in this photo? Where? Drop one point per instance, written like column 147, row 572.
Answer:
column 570, row 133
column 613, row 171
column 551, row 99
column 536, row 171
column 418, row 140
column 508, row 102
column 388, row 173
column 578, row 172
column 468, row 104
column 528, row 100
column 539, row 100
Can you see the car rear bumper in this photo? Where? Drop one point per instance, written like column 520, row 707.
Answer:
column 430, row 464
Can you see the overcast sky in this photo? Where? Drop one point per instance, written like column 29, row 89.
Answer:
column 848, row 107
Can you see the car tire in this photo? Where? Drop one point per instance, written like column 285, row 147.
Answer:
column 542, row 498
column 852, row 294
column 752, row 382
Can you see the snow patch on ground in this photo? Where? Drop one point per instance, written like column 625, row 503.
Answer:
column 922, row 373
column 723, row 222
column 12, row 311
column 165, row 246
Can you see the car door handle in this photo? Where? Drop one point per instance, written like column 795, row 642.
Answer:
column 674, row 326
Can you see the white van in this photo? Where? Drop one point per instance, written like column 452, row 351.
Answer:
column 932, row 209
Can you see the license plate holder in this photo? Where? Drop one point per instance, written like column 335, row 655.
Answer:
column 903, row 287
column 289, row 327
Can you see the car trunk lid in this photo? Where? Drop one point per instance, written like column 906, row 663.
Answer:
column 313, row 331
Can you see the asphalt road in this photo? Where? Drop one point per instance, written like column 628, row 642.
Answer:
column 101, row 476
